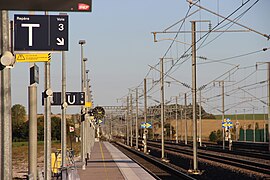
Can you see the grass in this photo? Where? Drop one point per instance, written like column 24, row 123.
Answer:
column 25, row 143
column 20, row 152
column 18, row 146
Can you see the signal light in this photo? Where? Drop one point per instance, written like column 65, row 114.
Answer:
column 98, row 112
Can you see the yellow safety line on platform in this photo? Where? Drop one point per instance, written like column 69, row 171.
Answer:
column 104, row 164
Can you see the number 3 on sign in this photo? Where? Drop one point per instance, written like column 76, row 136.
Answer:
column 60, row 27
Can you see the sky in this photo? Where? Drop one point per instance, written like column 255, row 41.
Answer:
column 120, row 47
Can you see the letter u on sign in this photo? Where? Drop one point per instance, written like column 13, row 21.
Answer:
column 71, row 99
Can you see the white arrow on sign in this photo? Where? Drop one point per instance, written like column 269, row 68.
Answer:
column 60, row 41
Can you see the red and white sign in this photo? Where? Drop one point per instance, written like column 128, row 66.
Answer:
column 71, row 129
column 83, row 7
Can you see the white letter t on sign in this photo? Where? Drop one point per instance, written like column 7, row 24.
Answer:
column 30, row 32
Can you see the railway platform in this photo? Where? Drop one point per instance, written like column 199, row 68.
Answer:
column 107, row 162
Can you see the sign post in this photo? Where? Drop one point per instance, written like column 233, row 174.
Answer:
column 227, row 125
column 5, row 103
column 145, row 126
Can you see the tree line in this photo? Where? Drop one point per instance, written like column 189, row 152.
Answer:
column 20, row 125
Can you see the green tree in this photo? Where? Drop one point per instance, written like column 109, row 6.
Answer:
column 216, row 135
column 213, row 136
column 18, row 114
column 56, row 128
column 40, row 128
column 18, row 117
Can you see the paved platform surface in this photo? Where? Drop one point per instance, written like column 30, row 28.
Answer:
column 107, row 162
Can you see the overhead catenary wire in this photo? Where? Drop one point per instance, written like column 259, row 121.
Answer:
column 223, row 60
column 234, row 57
column 227, row 18
column 234, row 20
column 196, row 41
column 224, row 19
column 182, row 20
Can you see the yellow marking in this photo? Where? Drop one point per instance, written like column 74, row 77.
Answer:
column 104, row 164
column 20, row 57
column 147, row 125
column 33, row 57
column 88, row 104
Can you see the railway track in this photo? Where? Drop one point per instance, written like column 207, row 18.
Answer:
column 219, row 158
column 154, row 166
column 248, row 152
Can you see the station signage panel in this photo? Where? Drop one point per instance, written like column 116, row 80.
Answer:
column 72, row 98
column 47, row 5
column 40, row 33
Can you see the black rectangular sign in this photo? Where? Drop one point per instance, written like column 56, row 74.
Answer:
column 34, row 74
column 47, row 5
column 72, row 99
column 40, row 33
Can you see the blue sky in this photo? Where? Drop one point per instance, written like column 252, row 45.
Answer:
column 119, row 47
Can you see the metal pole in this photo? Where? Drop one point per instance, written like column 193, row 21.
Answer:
column 111, row 126
column 153, row 127
column 88, row 124
column 162, row 107
column 85, row 109
column 145, row 101
column 6, row 125
column 32, row 148
column 47, row 123
column 200, row 114
column 137, row 113
column 181, row 125
column 269, row 105
column 1, row 100
column 186, row 119
column 245, row 128
column 63, row 124
column 82, row 42
column 176, row 118
column 151, row 117
column 264, row 128
column 237, row 130
column 254, row 136
column 195, row 160
column 170, row 124
column 223, row 115
column 127, row 119
column 131, row 121
column 145, row 114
